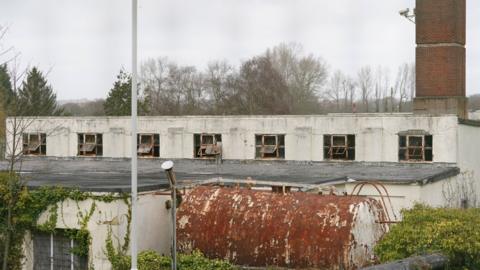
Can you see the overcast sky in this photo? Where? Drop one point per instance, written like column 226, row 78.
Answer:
column 86, row 42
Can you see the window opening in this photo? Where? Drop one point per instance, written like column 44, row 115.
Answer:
column 270, row 146
column 339, row 147
column 35, row 144
column 207, row 145
column 148, row 145
column 415, row 148
column 90, row 144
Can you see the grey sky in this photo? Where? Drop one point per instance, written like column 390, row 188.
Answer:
column 86, row 42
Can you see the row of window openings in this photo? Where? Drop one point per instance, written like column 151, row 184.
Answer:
column 335, row 147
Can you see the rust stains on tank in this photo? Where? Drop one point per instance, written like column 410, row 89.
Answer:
column 297, row 230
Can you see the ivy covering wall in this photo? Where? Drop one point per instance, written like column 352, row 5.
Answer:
column 20, row 210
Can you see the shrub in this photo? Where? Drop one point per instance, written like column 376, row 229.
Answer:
column 423, row 230
column 150, row 260
column 196, row 261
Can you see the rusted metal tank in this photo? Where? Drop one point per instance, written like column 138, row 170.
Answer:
column 296, row 230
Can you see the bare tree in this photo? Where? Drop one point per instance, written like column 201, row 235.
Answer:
column 304, row 75
column 14, row 129
column 349, row 89
column 168, row 88
column 260, row 89
column 17, row 125
column 7, row 53
column 382, row 86
column 461, row 192
column 218, row 80
column 365, row 83
column 153, row 81
column 335, row 89
column 404, row 84
column 412, row 83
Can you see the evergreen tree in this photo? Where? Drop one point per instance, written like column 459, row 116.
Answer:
column 6, row 91
column 36, row 97
column 118, row 102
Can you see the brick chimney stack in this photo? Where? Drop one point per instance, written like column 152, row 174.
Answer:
column 440, row 57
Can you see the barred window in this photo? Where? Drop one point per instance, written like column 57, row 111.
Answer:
column 207, row 145
column 35, row 144
column 54, row 251
column 148, row 145
column 270, row 146
column 415, row 148
column 339, row 147
column 90, row 144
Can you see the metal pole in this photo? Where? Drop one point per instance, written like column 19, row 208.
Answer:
column 174, row 229
column 168, row 167
column 133, row 233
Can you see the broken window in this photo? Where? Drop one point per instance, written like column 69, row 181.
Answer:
column 90, row 144
column 416, row 147
column 54, row 251
column 269, row 146
column 35, row 144
column 148, row 145
column 339, row 147
column 207, row 145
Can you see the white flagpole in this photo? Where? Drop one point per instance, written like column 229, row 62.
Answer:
column 133, row 233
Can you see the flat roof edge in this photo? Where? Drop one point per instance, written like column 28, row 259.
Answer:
column 469, row 122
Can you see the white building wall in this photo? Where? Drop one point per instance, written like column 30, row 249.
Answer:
column 469, row 147
column 153, row 226
column 405, row 196
column 376, row 134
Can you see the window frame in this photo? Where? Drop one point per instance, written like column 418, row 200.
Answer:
column 279, row 149
column 154, row 145
column 97, row 149
column 42, row 146
column 200, row 148
column 75, row 261
column 404, row 151
column 348, row 147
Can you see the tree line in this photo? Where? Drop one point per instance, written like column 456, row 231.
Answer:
column 282, row 80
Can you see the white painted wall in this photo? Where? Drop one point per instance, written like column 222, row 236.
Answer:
column 401, row 195
column 153, row 226
column 469, row 147
column 376, row 134
column 405, row 196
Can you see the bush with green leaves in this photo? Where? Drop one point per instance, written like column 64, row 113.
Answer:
column 150, row 260
column 424, row 230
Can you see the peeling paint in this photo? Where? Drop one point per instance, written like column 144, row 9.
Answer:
column 262, row 228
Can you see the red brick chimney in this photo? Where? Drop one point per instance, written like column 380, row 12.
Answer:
column 440, row 57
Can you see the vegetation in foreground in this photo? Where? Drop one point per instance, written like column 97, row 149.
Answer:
column 424, row 230
column 150, row 260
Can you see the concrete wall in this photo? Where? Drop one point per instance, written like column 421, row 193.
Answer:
column 376, row 134
column 469, row 161
column 153, row 226
column 404, row 196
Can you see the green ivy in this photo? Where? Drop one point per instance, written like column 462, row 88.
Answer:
column 423, row 230
column 27, row 205
column 116, row 256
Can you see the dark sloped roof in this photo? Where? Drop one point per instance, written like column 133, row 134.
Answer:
column 114, row 175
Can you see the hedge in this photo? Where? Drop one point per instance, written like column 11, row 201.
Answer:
column 424, row 230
